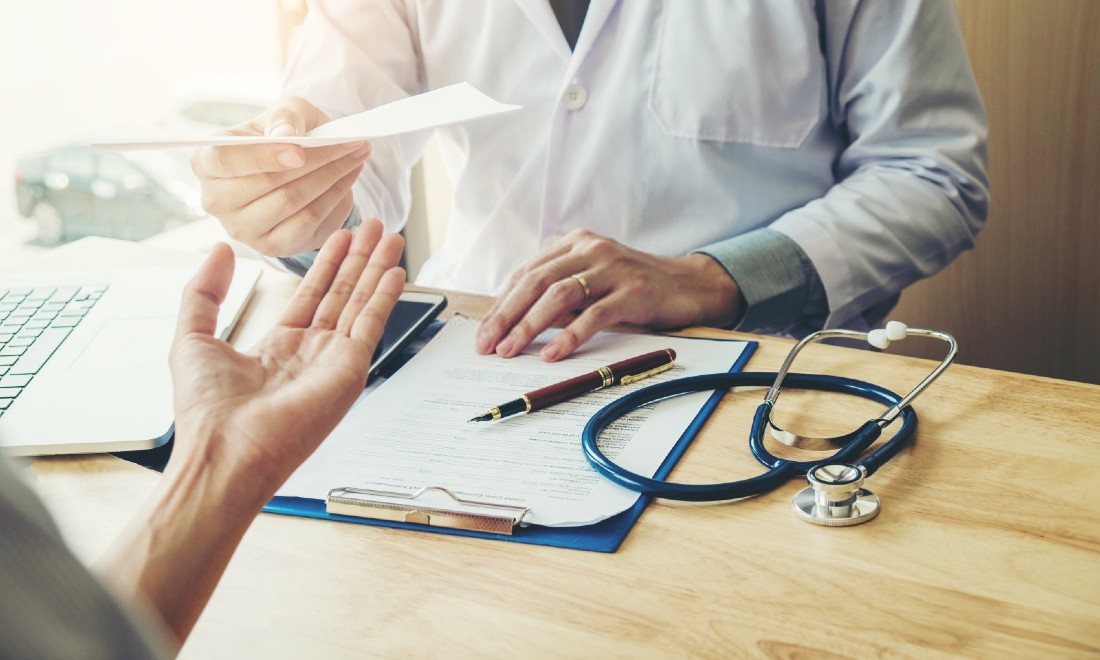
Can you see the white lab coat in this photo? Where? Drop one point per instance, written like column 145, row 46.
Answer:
column 674, row 126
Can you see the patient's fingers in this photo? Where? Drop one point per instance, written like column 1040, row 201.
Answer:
column 204, row 294
column 387, row 254
column 371, row 319
column 366, row 237
column 303, row 305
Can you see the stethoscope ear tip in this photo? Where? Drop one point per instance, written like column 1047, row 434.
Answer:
column 836, row 497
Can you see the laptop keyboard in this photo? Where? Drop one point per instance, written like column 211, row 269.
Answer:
column 33, row 323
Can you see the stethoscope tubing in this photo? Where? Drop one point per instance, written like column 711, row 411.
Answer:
column 779, row 470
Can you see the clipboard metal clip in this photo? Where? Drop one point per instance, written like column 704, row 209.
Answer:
column 431, row 505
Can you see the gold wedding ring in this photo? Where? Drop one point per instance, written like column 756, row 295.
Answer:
column 584, row 285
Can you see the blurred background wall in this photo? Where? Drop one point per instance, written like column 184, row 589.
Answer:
column 1027, row 298
column 69, row 70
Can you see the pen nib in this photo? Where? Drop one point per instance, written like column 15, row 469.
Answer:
column 481, row 418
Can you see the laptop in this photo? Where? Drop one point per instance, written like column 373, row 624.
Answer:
column 84, row 356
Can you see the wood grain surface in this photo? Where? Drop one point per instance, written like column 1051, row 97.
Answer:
column 987, row 545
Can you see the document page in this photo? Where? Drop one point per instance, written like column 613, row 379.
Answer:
column 413, row 432
column 453, row 104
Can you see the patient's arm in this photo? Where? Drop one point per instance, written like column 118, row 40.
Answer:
column 244, row 422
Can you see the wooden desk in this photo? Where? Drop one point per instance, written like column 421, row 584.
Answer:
column 987, row 546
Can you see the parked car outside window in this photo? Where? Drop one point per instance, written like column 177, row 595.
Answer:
column 72, row 192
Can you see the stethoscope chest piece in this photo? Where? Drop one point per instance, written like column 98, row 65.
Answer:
column 836, row 497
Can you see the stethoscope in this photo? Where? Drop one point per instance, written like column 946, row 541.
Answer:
column 836, row 496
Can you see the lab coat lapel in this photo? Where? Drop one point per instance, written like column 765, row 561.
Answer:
column 540, row 13
column 594, row 20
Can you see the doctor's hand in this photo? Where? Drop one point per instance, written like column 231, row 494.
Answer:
column 261, row 413
column 280, row 199
column 587, row 283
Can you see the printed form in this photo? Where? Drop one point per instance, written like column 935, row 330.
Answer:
column 453, row 104
column 412, row 432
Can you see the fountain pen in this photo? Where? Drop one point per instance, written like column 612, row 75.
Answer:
column 620, row 373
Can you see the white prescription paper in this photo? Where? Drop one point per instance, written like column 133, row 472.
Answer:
column 440, row 107
column 412, row 432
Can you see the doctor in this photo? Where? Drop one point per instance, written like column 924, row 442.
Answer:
column 775, row 166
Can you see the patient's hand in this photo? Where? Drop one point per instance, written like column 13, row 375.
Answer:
column 260, row 414
column 245, row 421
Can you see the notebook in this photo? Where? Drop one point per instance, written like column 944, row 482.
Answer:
column 84, row 356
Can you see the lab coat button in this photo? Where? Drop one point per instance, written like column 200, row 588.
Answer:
column 575, row 97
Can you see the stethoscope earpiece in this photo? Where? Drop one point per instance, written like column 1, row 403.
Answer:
column 881, row 338
column 836, row 497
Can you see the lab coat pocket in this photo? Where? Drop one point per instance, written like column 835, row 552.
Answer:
column 738, row 71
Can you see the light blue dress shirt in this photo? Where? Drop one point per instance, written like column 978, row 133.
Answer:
column 827, row 153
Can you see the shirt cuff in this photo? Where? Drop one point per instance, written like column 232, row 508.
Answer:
column 781, row 287
column 300, row 263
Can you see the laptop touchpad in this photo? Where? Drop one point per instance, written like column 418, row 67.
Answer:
column 128, row 343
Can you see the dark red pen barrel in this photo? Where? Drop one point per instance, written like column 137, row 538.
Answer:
column 612, row 374
column 565, row 390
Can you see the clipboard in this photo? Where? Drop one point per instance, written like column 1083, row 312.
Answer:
column 499, row 522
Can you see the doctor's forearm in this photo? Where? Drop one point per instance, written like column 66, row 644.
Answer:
column 883, row 228
column 779, row 286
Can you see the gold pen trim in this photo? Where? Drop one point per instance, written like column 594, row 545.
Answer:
column 497, row 414
column 608, row 377
column 633, row 378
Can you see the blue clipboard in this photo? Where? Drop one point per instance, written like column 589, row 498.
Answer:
column 604, row 536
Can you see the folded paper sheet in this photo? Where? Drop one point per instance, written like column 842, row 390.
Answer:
column 412, row 431
column 440, row 107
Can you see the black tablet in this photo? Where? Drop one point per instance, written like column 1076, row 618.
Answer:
column 412, row 313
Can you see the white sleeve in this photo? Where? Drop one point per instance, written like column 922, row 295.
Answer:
column 912, row 190
column 353, row 55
